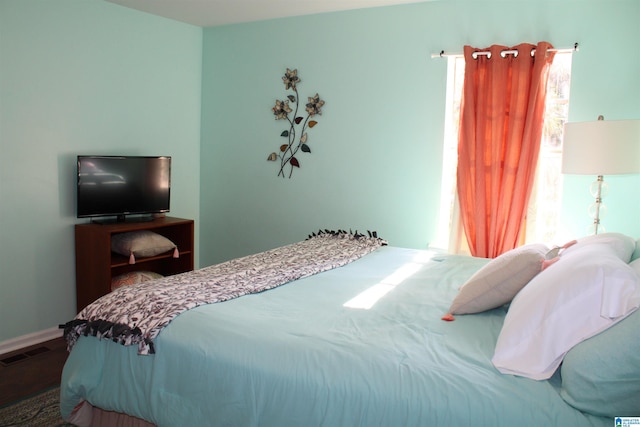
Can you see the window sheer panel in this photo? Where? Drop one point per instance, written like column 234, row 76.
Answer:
column 543, row 213
column 500, row 129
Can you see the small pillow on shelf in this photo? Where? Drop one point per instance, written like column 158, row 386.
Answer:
column 133, row 278
column 142, row 244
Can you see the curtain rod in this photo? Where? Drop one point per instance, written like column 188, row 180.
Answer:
column 442, row 53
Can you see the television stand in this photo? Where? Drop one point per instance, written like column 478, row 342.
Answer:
column 96, row 265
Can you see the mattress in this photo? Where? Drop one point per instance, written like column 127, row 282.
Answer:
column 358, row 345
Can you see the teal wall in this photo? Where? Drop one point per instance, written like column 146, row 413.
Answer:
column 376, row 152
column 88, row 76
column 605, row 81
column 82, row 77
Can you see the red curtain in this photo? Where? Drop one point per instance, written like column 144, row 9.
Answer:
column 501, row 122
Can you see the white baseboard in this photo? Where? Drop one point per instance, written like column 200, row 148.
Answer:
column 29, row 340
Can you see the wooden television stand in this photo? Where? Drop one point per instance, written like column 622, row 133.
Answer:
column 96, row 265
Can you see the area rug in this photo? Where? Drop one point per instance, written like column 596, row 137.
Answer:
column 42, row 409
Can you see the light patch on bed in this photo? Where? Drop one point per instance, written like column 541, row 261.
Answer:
column 425, row 256
column 365, row 300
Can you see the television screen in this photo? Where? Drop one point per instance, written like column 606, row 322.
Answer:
column 123, row 185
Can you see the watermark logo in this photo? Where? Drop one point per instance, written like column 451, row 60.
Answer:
column 627, row 422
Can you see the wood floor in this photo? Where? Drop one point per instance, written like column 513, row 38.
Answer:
column 27, row 371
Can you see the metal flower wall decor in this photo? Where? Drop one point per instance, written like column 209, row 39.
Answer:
column 296, row 134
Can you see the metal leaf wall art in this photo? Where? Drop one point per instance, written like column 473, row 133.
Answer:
column 296, row 135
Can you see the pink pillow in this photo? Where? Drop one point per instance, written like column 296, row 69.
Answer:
column 499, row 281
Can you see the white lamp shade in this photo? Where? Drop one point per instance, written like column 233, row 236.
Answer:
column 603, row 147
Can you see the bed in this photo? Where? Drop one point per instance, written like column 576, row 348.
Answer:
column 361, row 343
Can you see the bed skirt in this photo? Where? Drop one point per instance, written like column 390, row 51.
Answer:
column 91, row 416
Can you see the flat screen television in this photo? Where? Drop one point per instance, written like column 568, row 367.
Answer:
column 123, row 185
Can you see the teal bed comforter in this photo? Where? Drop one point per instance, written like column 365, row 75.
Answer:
column 359, row 345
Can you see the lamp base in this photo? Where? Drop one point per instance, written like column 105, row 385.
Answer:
column 597, row 210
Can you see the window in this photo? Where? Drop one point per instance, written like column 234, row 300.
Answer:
column 544, row 204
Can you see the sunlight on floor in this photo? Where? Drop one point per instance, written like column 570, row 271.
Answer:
column 365, row 300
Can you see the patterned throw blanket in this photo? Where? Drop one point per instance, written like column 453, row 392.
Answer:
column 136, row 314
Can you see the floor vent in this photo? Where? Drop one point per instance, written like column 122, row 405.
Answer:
column 23, row 356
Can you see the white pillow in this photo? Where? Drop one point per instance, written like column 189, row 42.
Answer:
column 622, row 245
column 499, row 281
column 582, row 294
